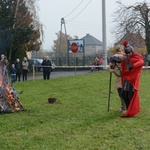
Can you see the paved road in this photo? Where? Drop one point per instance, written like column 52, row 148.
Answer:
column 56, row 74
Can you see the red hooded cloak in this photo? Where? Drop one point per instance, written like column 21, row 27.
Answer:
column 136, row 60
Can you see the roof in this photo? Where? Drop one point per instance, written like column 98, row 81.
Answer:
column 134, row 39
column 91, row 40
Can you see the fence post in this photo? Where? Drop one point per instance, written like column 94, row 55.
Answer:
column 60, row 64
column 33, row 73
column 76, row 61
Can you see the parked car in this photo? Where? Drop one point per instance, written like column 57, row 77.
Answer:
column 37, row 64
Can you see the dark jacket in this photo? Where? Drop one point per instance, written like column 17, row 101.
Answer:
column 47, row 65
column 13, row 71
column 18, row 67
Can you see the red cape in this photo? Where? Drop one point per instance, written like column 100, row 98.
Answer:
column 134, row 77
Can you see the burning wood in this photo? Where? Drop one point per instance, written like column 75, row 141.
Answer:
column 9, row 101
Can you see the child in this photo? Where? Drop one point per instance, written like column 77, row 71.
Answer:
column 93, row 68
column 13, row 73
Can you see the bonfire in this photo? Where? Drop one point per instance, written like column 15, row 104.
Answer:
column 9, row 101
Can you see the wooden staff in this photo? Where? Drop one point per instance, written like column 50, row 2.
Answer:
column 109, row 90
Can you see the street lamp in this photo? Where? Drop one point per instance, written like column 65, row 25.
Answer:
column 104, row 33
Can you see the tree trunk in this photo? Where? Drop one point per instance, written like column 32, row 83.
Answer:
column 147, row 39
column 9, row 57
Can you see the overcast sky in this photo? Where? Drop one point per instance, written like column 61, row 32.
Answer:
column 81, row 17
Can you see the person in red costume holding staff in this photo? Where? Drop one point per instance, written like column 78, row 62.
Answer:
column 131, row 64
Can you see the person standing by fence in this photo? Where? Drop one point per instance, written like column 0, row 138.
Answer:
column 97, row 62
column 25, row 65
column 18, row 69
column 47, row 67
column 13, row 73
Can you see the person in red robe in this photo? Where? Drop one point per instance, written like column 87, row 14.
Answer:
column 131, row 69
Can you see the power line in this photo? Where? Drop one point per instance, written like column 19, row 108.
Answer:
column 74, row 9
column 74, row 23
column 80, row 11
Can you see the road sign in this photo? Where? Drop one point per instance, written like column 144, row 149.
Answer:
column 74, row 47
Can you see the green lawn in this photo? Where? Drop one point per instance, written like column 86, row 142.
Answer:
column 78, row 120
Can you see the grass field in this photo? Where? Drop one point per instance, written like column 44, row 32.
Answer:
column 79, row 120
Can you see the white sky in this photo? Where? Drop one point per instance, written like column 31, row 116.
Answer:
column 88, row 21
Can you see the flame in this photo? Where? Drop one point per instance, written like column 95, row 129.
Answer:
column 9, row 101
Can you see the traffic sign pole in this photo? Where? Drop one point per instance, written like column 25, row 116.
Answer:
column 75, row 64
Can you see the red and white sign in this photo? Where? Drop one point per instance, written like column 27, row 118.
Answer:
column 74, row 47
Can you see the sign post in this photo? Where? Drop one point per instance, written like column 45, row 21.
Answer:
column 74, row 49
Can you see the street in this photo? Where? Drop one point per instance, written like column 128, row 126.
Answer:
column 56, row 74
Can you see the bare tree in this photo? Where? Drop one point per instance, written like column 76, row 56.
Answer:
column 135, row 19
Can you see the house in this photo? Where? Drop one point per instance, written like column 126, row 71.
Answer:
column 92, row 46
column 134, row 39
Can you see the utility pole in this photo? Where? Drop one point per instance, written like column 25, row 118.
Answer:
column 62, row 23
column 104, row 33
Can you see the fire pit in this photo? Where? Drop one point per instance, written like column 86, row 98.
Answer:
column 51, row 100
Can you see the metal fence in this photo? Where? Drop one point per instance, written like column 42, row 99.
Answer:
column 71, row 61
